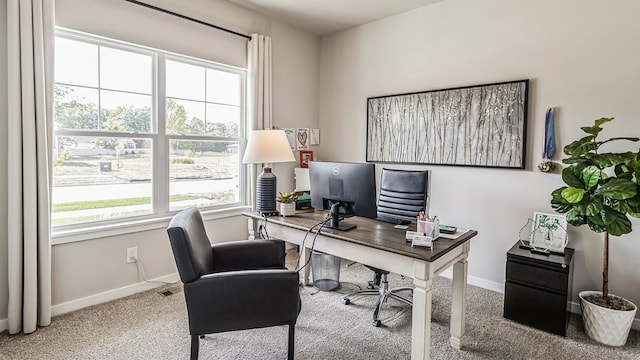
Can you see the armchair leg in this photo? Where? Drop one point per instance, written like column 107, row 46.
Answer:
column 290, row 350
column 195, row 346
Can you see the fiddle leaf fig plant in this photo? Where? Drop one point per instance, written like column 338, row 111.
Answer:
column 601, row 188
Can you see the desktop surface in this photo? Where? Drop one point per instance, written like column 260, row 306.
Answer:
column 370, row 232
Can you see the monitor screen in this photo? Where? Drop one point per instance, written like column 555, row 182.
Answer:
column 352, row 185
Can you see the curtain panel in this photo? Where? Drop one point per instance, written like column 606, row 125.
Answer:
column 30, row 37
column 259, row 82
column 259, row 92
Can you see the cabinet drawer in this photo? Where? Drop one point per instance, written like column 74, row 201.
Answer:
column 534, row 275
column 537, row 308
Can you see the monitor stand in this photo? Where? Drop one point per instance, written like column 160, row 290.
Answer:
column 335, row 219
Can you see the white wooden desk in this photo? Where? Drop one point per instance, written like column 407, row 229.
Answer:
column 380, row 245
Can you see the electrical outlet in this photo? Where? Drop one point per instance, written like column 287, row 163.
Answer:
column 132, row 254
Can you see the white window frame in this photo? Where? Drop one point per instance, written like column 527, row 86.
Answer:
column 161, row 214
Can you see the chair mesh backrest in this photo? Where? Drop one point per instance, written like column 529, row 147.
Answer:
column 403, row 194
column 190, row 244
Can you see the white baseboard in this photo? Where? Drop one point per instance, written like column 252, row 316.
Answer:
column 110, row 295
column 476, row 281
column 144, row 286
column 100, row 298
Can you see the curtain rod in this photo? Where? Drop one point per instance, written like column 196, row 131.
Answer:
column 188, row 18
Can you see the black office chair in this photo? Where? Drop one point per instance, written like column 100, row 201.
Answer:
column 403, row 195
column 232, row 285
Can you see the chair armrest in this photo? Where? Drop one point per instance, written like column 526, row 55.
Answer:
column 242, row 300
column 248, row 255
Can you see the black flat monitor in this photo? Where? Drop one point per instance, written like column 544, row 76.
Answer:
column 347, row 189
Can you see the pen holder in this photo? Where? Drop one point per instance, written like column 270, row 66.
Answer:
column 430, row 228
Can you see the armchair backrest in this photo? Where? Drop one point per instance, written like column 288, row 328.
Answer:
column 403, row 194
column 190, row 244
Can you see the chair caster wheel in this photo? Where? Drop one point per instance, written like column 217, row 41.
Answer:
column 346, row 301
column 377, row 323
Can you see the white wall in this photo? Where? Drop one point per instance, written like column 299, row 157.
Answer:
column 582, row 58
column 90, row 271
column 3, row 160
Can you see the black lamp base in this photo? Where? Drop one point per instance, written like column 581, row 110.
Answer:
column 266, row 191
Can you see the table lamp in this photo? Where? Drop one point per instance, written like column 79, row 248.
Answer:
column 267, row 147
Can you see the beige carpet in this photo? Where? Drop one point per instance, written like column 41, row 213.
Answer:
column 153, row 326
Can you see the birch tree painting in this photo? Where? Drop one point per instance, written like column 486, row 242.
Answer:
column 472, row 126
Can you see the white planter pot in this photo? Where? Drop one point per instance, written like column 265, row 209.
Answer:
column 287, row 209
column 606, row 326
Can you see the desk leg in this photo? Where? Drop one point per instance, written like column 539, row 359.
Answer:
column 421, row 320
column 251, row 229
column 458, row 302
column 305, row 258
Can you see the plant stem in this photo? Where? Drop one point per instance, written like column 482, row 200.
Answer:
column 605, row 267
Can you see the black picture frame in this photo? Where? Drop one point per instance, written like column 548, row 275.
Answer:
column 481, row 125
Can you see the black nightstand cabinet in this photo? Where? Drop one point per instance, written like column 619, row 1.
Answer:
column 538, row 288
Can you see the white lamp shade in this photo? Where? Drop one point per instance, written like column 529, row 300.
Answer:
column 267, row 146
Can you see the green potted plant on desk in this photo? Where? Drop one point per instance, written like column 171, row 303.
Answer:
column 287, row 203
column 601, row 190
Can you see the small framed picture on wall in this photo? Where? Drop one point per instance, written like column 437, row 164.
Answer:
column 305, row 157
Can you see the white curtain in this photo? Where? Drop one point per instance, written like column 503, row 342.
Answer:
column 259, row 82
column 259, row 90
column 30, row 36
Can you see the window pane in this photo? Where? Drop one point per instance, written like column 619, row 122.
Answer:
column 223, row 87
column 222, row 120
column 203, row 173
column 76, row 63
column 75, row 107
column 125, row 70
column 185, row 81
column 100, row 178
column 125, row 111
column 185, row 117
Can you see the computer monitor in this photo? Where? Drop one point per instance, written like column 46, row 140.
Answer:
column 346, row 189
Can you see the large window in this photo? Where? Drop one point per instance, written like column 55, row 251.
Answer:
column 141, row 133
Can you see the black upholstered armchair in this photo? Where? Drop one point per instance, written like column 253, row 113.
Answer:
column 233, row 285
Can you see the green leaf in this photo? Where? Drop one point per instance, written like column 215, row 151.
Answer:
column 556, row 196
column 561, row 208
column 594, row 206
column 575, row 219
column 573, row 195
column 580, row 147
column 601, row 121
column 593, row 130
column 581, row 207
column 618, row 189
column 590, row 176
column 558, row 203
column 617, row 223
column 609, row 159
column 634, row 139
column 571, row 178
column 595, row 225
column 577, row 160
column 621, row 206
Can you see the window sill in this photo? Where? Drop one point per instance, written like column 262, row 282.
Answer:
column 128, row 227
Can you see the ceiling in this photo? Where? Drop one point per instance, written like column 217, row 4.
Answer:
column 323, row 17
